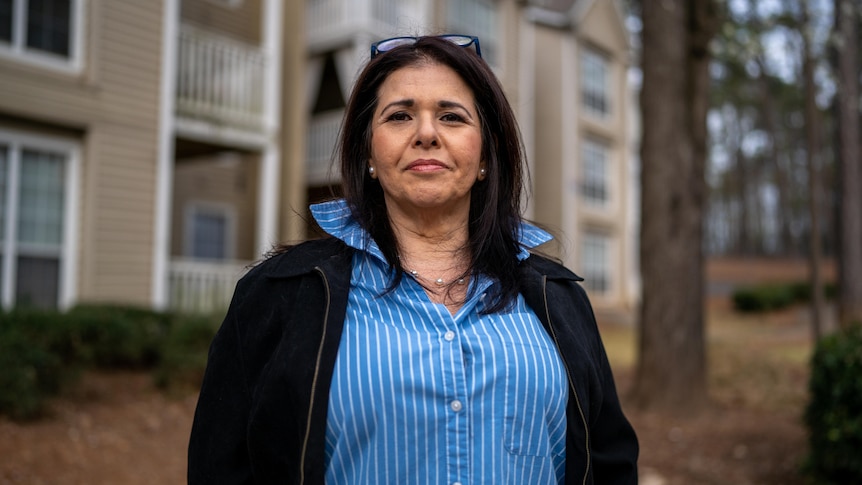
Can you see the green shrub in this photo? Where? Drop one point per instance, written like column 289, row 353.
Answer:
column 834, row 414
column 32, row 366
column 775, row 296
column 117, row 336
column 763, row 298
column 184, row 351
column 43, row 351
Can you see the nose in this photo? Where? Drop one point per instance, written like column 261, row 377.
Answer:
column 426, row 133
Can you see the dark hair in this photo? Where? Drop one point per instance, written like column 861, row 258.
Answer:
column 495, row 215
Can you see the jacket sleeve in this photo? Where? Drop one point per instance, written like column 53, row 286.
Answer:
column 614, row 443
column 218, row 452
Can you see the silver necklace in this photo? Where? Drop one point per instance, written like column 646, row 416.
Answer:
column 438, row 281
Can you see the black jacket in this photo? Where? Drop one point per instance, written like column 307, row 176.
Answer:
column 261, row 414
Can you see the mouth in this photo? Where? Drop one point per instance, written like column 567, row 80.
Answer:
column 426, row 165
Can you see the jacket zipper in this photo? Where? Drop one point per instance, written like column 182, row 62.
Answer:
column 568, row 377
column 316, row 374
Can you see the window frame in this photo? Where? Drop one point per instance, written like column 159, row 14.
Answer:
column 490, row 39
column 586, row 172
column 603, row 267
column 192, row 210
column 590, row 89
column 17, row 49
column 17, row 142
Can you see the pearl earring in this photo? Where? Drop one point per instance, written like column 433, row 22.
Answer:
column 371, row 171
column 482, row 173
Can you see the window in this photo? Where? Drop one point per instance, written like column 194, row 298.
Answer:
column 595, row 262
column 594, row 181
column 595, row 89
column 209, row 231
column 45, row 31
column 475, row 17
column 36, row 177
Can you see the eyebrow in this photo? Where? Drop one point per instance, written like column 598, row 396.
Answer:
column 409, row 102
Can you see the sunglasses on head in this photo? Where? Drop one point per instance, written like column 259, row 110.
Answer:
column 387, row 45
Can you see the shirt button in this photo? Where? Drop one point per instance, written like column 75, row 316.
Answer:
column 456, row 405
column 456, row 483
column 449, row 336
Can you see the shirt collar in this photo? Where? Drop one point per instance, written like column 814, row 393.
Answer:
column 335, row 219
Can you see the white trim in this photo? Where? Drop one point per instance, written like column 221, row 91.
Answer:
column 165, row 161
column 270, row 158
column 67, row 281
column 527, row 106
column 17, row 51
column 571, row 138
column 272, row 21
column 10, row 232
column 69, row 268
column 267, row 201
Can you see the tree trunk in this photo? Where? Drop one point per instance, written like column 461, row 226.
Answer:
column 850, row 256
column 674, row 101
column 812, row 149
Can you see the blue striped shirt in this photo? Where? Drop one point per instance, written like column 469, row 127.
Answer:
column 421, row 396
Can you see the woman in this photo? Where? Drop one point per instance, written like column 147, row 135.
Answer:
column 421, row 342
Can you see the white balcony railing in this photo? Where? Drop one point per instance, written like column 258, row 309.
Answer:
column 219, row 80
column 328, row 17
column 320, row 146
column 201, row 286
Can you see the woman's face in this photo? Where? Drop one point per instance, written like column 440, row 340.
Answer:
column 426, row 140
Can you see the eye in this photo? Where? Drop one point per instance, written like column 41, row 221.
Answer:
column 398, row 116
column 452, row 118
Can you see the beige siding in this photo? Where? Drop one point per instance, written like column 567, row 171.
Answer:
column 548, row 138
column 113, row 106
column 241, row 22
column 603, row 26
column 128, row 49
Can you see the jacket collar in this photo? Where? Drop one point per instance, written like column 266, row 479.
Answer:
column 551, row 269
column 329, row 254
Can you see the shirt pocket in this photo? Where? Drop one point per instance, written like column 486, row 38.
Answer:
column 534, row 418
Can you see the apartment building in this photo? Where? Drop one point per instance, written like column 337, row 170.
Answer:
column 564, row 66
column 148, row 149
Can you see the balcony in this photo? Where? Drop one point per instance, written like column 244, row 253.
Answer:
column 202, row 287
column 220, row 83
column 330, row 18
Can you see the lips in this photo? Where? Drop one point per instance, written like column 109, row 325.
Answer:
column 426, row 165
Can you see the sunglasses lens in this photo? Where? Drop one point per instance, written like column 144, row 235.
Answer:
column 389, row 44
column 461, row 40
